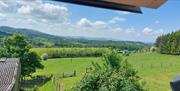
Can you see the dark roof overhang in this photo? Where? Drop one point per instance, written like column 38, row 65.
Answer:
column 124, row 5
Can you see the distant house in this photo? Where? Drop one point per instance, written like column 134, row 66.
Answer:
column 10, row 70
column 125, row 52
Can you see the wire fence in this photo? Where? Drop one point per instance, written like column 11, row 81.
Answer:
column 160, row 66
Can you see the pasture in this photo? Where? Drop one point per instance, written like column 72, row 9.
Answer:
column 155, row 69
column 59, row 65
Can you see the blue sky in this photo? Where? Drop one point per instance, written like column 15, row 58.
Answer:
column 74, row 20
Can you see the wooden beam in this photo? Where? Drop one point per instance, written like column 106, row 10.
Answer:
column 140, row 3
column 105, row 4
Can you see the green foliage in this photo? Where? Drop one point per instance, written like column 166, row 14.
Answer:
column 17, row 46
column 169, row 43
column 114, row 75
column 44, row 56
column 70, row 52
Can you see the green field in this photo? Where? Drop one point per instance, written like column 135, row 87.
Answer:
column 156, row 70
column 59, row 65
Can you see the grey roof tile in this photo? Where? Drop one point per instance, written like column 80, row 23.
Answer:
column 8, row 72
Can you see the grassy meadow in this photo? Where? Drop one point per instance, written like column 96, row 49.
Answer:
column 59, row 65
column 155, row 69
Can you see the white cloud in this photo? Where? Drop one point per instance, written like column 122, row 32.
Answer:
column 29, row 21
column 44, row 20
column 50, row 8
column 53, row 13
column 116, row 30
column 2, row 4
column 25, row 10
column 117, row 19
column 147, row 30
column 27, row 2
column 130, row 30
column 123, row 12
column 2, row 15
column 101, row 25
column 152, row 34
column 8, row 6
column 157, row 33
column 84, row 22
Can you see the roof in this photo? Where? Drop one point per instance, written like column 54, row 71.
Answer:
column 124, row 5
column 8, row 73
column 140, row 3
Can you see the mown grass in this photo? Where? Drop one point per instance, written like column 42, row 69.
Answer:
column 155, row 69
column 59, row 65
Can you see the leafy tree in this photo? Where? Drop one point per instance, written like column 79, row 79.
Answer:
column 114, row 75
column 17, row 46
column 169, row 43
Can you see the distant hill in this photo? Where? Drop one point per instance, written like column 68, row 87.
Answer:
column 39, row 39
column 5, row 30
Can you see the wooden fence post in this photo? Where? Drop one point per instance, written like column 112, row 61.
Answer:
column 59, row 86
column 74, row 72
column 63, row 74
column 56, row 86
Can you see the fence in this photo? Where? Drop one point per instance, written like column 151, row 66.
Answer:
column 164, row 67
column 58, row 85
column 35, row 82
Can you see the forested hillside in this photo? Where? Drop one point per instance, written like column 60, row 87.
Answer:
column 169, row 43
column 39, row 39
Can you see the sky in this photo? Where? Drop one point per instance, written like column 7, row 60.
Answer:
column 64, row 19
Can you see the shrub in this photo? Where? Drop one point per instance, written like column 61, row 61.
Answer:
column 44, row 56
column 114, row 75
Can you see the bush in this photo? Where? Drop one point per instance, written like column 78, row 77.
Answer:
column 114, row 75
column 44, row 56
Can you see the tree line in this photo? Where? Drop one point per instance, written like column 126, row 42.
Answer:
column 46, row 53
column 169, row 43
column 83, row 43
